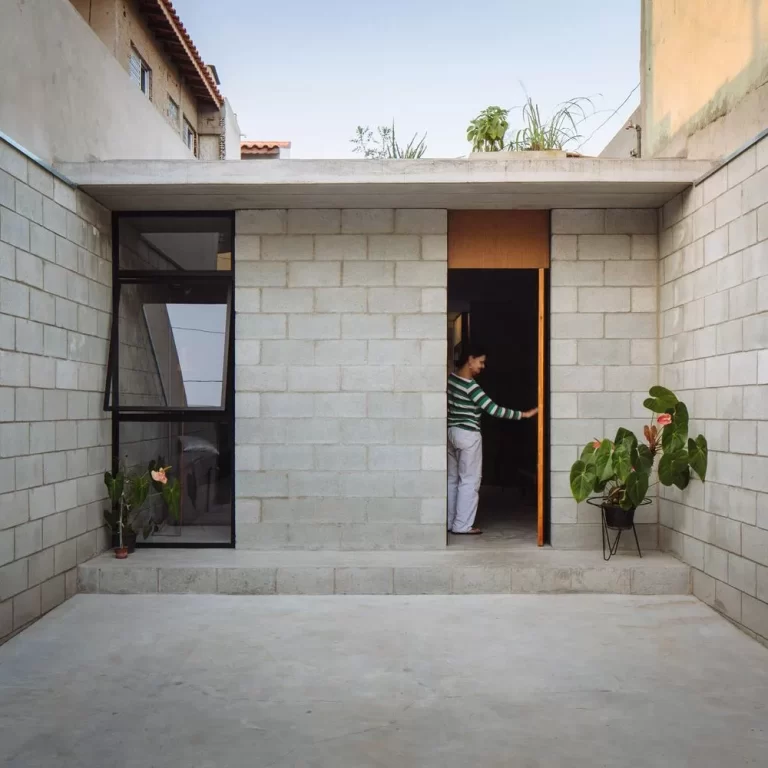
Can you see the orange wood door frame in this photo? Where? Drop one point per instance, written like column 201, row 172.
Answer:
column 510, row 240
column 540, row 443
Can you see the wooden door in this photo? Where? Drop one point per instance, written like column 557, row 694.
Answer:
column 510, row 240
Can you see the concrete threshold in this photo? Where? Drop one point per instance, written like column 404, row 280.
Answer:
column 445, row 572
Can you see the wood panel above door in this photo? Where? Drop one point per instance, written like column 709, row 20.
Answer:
column 498, row 239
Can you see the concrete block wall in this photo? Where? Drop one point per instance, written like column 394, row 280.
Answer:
column 714, row 352
column 603, row 351
column 340, row 379
column 55, row 302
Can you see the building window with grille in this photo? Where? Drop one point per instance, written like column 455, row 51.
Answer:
column 140, row 73
column 173, row 112
column 190, row 136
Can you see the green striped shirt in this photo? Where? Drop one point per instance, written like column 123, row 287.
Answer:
column 467, row 401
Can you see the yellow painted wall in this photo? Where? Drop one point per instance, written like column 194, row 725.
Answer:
column 701, row 61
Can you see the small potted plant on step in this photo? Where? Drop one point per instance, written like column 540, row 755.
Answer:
column 128, row 493
column 620, row 471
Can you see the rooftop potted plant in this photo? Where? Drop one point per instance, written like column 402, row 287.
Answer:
column 128, row 492
column 620, row 472
column 489, row 131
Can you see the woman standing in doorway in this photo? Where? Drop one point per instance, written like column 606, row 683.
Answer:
column 466, row 403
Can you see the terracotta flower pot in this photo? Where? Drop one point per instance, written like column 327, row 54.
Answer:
column 121, row 553
column 129, row 541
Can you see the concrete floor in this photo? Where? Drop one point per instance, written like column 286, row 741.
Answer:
column 506, row 519
column 154, row 681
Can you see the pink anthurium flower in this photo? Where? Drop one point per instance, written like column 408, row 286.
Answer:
column 596, row 444
column 664, row 419
column 159, row 476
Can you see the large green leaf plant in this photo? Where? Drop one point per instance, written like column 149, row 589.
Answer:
column 129, row 491
column 487, row 131
column 620, row 471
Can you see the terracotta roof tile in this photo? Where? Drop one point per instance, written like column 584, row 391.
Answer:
column 163, row 20
column 265, row 144
column 249, row 151
column 250, row 148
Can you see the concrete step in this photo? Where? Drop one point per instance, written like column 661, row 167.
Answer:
column 460, row 572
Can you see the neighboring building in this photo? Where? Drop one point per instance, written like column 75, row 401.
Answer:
column 704, row 79
column 149, row 41
column 129, row 83
column 265, row 150
column 282, row 340
column 704, row 76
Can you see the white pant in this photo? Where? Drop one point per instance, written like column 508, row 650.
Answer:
column 465, row 470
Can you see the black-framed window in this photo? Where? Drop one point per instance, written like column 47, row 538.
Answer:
column 170, row 376
column 173, row 349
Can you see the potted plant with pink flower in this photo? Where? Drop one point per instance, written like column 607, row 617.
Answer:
column 619, row 472
column 128, row 492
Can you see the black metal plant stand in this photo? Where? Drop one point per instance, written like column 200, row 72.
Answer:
column 624, row 525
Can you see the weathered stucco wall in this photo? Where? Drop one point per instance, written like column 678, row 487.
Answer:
column 704, row 76
column 64, row 96
column 231, row 133
column 166, row 78
column 120, row 25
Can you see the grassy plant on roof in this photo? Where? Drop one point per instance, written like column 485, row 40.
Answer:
column 384, row 145
column 561, row 129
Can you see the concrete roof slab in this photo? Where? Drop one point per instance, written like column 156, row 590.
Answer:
column 464, row 183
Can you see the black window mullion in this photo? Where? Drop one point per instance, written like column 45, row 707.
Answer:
column 221, row 416
column 115, row 344
column 170, row 276
column 229, row 373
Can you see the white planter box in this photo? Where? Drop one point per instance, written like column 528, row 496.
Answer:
column 511, row 157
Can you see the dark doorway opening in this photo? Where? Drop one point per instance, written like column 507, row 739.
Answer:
column 499, row 309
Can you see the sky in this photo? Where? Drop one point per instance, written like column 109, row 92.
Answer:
column 310, row 71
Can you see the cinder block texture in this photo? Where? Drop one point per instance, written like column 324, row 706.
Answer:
column 603, row 347
column 349, row 333
column 55, row 299
column 714, row 333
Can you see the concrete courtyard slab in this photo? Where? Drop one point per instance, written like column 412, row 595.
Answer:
column 510, row 680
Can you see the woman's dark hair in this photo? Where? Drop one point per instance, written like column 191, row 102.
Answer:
column 470, row 350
